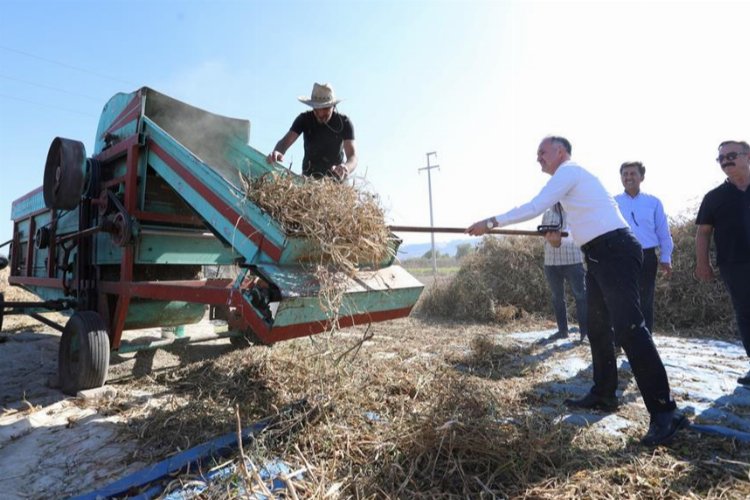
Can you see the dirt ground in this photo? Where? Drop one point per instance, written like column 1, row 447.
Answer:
column 53, row 446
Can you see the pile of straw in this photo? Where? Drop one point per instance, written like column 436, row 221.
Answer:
column 344, row 227
column 504, row 281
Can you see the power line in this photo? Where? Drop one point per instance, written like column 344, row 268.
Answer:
column 46, row 105
column 65, row 65
column 48, row 87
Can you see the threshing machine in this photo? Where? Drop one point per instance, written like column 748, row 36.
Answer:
column 118, row 241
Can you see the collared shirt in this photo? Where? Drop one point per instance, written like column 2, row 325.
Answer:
column 568, row 252
column 591, row 209
column 647, row 220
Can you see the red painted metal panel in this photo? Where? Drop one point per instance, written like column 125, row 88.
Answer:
column 35, row 282
column 224, row 209
column 168, row 218
column 131, row 112
column 215, row 292
column 30, row 247
column 117, row 150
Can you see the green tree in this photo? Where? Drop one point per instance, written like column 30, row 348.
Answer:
column 428, row 254
column 463, row 250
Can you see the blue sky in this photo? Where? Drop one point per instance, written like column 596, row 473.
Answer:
column 478, row 82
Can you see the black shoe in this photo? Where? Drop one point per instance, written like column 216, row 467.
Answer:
column 559, row 335
column 663, row 427
column 745, row 379
column 593, row 402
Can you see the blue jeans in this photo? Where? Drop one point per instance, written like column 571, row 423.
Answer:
column 575, row 275
column 613, row 263
column 736, row 278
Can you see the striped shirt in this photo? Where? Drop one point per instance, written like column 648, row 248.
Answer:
column 568, row 252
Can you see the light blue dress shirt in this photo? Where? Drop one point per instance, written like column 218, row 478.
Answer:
column 645, row 215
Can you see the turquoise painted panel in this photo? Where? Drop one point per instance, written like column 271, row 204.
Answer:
column 183, row 249
column 23, row 207
column 110, row 112
column 221, row 188
column 370, row 291
column 153, row 313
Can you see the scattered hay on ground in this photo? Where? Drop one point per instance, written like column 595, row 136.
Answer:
column 428, row 413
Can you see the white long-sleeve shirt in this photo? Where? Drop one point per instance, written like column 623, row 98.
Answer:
column 591, row 209
column 645, row 214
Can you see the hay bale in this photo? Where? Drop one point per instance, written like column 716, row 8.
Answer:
column 502, row 281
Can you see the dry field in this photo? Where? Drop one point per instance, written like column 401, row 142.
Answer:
column 412, row 408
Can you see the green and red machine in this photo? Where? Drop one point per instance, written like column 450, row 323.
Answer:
column 119, row 240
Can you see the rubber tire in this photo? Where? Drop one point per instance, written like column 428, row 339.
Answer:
column 83, row 359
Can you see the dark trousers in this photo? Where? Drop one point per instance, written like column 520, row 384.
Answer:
column 613, row 263
column 647, row 285
column 736, row 278
column 575, row 276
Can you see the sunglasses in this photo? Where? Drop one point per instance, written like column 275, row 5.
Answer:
column 729, row 156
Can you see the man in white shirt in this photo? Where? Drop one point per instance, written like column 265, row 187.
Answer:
column 563, row 262
column 613, row 260
column 645, row 215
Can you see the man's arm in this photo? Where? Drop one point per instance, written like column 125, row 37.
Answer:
column 703, row 269
column 345, row 169
column 281, row 147
column 666, row 244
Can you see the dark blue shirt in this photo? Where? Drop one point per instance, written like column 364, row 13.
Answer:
column 324, row 142
column 727, row 209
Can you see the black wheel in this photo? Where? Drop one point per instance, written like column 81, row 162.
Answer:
column 64, row 174
column 84, row 353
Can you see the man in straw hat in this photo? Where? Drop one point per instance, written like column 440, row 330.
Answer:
column 613, row 263
column 328, row 137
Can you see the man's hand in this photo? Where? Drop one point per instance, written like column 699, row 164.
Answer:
column 340, row 171
column 479, row 228
column 274, row 156
column 554, row 238
column 704, row 272
column 666, row 269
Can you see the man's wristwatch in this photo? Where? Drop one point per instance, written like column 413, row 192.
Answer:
column 491, row 223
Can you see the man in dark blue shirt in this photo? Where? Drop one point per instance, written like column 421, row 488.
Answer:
column 328, row 137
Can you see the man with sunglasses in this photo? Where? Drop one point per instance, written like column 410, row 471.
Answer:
column 613, row 263
column 328, row 137
column 725, row 214
column 645, row 215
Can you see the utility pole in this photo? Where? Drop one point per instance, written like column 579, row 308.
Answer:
column 429, row 188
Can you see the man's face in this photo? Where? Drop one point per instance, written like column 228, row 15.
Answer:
column 631, row 179
column 550, row 156
column 734, row 162
column 323, row 114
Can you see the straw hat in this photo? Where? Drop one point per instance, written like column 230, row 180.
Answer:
column 322, row 97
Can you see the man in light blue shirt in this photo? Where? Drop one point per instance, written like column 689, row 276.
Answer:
column 613, row 263
column 645, row 215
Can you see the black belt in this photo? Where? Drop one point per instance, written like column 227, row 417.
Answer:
column 604, row 237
